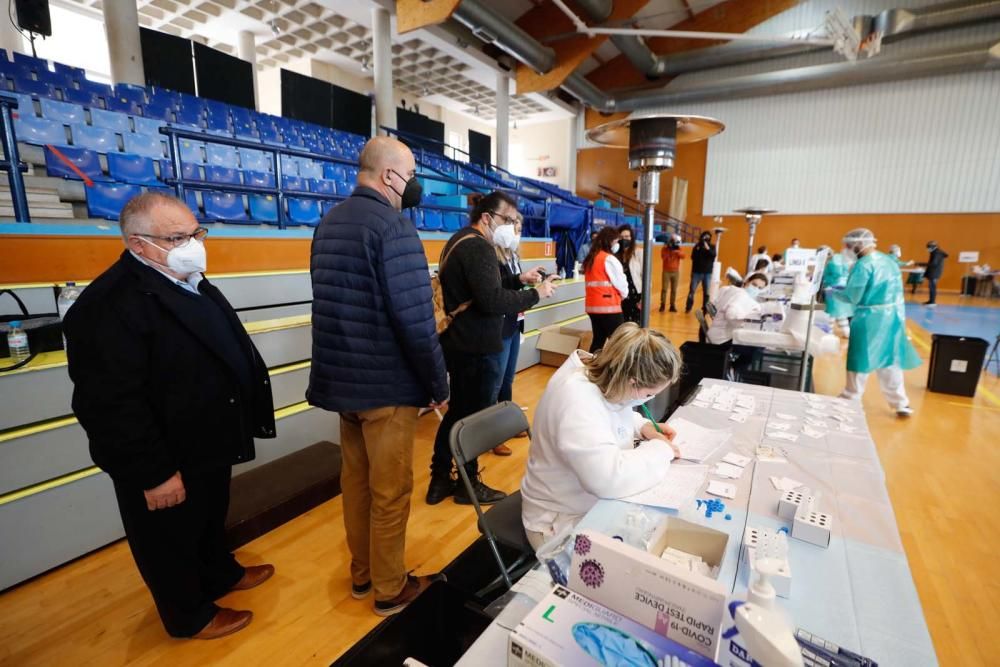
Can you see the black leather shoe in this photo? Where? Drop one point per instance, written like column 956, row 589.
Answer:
column 484, row 494
column 439, row 489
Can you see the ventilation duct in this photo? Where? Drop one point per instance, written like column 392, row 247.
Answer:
column 508, row 37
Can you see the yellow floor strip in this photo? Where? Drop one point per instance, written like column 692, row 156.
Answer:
column 40, row 427
column 556, row 305
column 288, row 368
column 564, row 323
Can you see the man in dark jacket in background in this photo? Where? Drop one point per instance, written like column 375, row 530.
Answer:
column 470, row 275
column 171, row 392
column 935, row 266
column 376, row 360
column 702, row 265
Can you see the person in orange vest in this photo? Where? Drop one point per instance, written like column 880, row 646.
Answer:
column 606, row 286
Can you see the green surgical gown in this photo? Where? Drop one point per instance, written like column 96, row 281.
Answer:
column 878, row 330
column 835, row 275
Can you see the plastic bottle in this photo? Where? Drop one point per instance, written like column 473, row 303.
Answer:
column 67, row 297
column 17, row 342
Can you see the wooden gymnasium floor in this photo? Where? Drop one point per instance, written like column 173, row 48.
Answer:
column 942, row 470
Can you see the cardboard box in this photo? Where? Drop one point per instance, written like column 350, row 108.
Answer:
column 676, row 603
column 561, row 630
column 554, row 347
column 581, row 331
column 676, row 533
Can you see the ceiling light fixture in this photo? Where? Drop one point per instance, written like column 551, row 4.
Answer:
column 275, row 29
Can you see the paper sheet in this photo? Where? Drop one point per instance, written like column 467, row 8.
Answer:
column 736, row 459
column 785, row 483
column 786, row 417
column 811, row 432
column 679, row 486
column 721, row 489
column 728, row 470
column 697, row 443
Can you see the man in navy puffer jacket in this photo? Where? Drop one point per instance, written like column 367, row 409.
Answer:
column 376, row 360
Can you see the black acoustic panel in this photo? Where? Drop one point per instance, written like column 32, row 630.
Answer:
column 479, row 147
column 223, row 77
column 350, row 111
column 305, row 98
column 429, row 132
column 33, row 16
column 166, row 60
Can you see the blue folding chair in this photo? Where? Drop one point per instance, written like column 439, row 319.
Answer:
column 263, row 208
column 223, row 175
column 258, row 179
column 106, row 200
column 131, row 168
column 62, row 111
column 33, row 130
column 97, row 139
column 254, row 160
column 294, row 184
column 322, row 186
column 223, row 156
column 303, row 211
column 147, row 145
column 224, row 206
column 85, row 160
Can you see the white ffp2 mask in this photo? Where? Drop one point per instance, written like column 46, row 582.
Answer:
column 186, row 259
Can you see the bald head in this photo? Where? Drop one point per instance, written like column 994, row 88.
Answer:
column 386, row 165
column 139, row 216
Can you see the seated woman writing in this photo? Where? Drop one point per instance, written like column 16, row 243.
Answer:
column 736, row 303
column 585, row 431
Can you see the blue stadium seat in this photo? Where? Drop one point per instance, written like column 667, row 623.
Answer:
column 432, row 221
column 270, row 135
column 263, row 208
column 259, row 179
column 334, row 171
column 70, row 72
column 224, row 206
column 129, row 91
column 241, row 115
column 191, row 171
column 55, row 79
column 344, row 188
column 452, row 221
column 84, row 98
column 61, row 111
column 98, row 139
column 33, row 130
column 224, row 156
column 101, row 90
column 192, row 151
column 294, row 184
column 164, row 97
column 289, row 165
column 148, row 126
column 144, row 144
column 131, row 168
column 106, row 200
column 25, row 104
column 328, row 204
column 254, row 160
column 159, row 110
column 83, row 159
column 191, row 199
column 245, row 131
column 303, row 211
column 322, row 186
column 117, row 103
column 29, row 87
column 218, row 123
column 30, row 61
column 224, row 175
column 189, row 116
column 310, row 169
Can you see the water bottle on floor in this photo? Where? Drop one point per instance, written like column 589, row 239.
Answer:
column 17, row 342
column 67, row 297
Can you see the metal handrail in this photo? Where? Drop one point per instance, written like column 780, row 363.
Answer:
column 11, row 162
column 685, row 229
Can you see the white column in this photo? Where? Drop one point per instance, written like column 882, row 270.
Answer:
column 247, row 49
column 121, row 24
column 575, row 123
column 503, row 120
column 10, row 38
column 385, row 106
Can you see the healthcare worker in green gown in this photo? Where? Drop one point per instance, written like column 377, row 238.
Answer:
column 834, row 280
column 878, row 339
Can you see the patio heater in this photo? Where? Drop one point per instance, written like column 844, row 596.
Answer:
column 652, row 139
column 753, row 215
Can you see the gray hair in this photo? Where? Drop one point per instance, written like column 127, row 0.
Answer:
column 136, row 217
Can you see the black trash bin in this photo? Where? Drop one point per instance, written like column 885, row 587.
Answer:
column 956, row 362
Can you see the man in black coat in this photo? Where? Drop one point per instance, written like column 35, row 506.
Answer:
column 702, row 266
column 376, row 360
column 935, row 266
column 171, row 392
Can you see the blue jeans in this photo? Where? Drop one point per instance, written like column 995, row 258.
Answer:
column 705, row 279
column 507, row 361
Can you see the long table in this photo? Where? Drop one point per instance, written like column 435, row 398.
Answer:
column 858, row 592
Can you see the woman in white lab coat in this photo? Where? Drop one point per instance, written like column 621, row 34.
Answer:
column 735, row 303
column 585, row 429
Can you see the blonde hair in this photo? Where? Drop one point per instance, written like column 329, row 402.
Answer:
column 633, row 357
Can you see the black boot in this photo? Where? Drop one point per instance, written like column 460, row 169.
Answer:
column 439, row 489
column 484, row 494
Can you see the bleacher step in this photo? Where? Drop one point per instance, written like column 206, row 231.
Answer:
column 35, row 195
column 41, row 210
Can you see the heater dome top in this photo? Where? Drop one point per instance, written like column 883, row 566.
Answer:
column 755, row 210
column 690, row 128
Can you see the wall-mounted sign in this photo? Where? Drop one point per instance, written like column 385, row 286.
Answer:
column 968, row 257
column 546, row 172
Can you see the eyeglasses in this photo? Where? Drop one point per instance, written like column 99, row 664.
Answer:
column 509, row 219
column 177, row 240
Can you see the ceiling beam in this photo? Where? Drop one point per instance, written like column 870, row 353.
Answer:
column 545, row 21
column 727, row 16
column 415, row 14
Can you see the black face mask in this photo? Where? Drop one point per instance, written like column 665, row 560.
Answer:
column 624, row 243
column 706, row 239
column 411, row 194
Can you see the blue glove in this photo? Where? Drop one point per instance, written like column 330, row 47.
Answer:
column 611, row 647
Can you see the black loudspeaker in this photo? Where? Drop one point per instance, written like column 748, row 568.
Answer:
column 33, row 16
